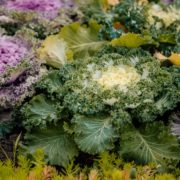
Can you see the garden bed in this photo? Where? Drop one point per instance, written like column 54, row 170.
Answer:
column 83, row 83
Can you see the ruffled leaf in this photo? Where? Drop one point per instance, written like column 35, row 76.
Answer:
column 51, row 83
column 40, row 111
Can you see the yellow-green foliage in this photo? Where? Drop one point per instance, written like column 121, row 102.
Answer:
column 107, row 167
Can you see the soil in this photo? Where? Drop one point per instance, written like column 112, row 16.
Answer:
column 7, row 145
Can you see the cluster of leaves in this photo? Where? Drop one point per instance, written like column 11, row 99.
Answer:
column 80, row 111
column 56, row 50
column 13, row 20
column 108, row 166
column 104, row 91
column 20, row 70
column 158, row 21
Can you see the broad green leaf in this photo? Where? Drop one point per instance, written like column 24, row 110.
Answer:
column 150, row 143
column 40, row 111
column 82, row 41
column 94, row 134
column 53, row 51
column 132, row 40
column 58, row 146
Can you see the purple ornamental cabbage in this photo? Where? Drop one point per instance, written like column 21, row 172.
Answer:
column 12, row 50
column 19, row 70
column 43, row 17
column 47, row 8
column 14, row 55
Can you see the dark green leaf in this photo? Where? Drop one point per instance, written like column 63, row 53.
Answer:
column 94, row 134
column 150, row 143
column 58, row 146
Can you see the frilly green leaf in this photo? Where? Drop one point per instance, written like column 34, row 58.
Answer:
column 40, row 111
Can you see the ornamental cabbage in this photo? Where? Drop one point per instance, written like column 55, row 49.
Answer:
column 99, row 101
column 42, row 16
column 46, row 8
column 12, row 51
column 137, row 86
column 19, row 70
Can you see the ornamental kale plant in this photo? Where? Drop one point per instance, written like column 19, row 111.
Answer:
column 102, row 103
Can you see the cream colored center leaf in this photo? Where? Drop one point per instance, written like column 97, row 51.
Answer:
column 121, row 77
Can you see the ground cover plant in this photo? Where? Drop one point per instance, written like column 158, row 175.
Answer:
column 97, row 80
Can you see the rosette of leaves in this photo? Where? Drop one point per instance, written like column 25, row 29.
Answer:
column 19, row 69
column 97, row 85
column 44, row 17
column 105, row 101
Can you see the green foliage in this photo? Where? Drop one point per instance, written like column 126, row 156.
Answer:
column 53, row 51
column 94, row 99
column 82, row 41
column 58, row 146
column 124, row 51
column 132, row 40
column 153, row 94
column 108, row 166
column 94, row 134
column 130, row 13
column 40, row 111
column 149, row 143
column 51, row 83
column 110, row 97
column 5, row 128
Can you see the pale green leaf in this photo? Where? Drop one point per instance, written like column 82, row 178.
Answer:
column 53, row 51
column 82, row 41
column 132, row 40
